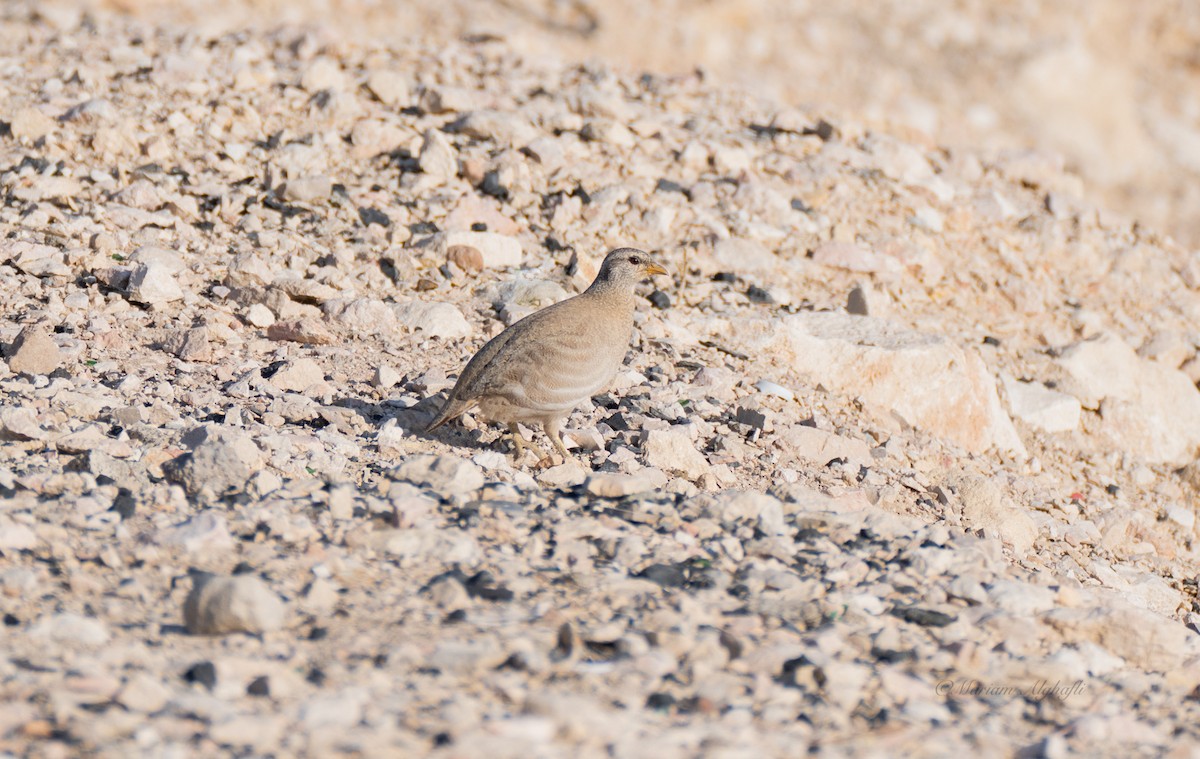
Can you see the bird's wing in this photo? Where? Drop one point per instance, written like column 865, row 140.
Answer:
column 466, row 390
column 554, row 362
column 474, row 379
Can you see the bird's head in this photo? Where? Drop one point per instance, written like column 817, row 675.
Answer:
column 623, row 268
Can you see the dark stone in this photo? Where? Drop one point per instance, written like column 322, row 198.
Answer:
column 888, row 656
column 666, row 185
column 203, row 673
column 124, row 504
column 758, row 295
column 660, row 300
column 617, row 422
column 943, row 497
column 923, row 617
column 259, row 686
column 465, row 517
column 660, row 701
column 731, row 644
column 664, row 575
column 564, row 643
column 823, row 130
column 606, row 401
column 371, row 216
column 491, row 186
column 750, row 417
column 787, row 676
column 808, row 535
column 482, row 585
column 269, row 371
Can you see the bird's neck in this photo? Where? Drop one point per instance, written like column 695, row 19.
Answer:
column 608, row 292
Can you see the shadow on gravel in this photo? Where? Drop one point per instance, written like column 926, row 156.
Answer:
column 413, row 420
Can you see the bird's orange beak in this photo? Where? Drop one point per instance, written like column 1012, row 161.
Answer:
column 652, row 268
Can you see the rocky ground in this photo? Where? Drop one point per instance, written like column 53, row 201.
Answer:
column 1111, row 86
column 901, row 462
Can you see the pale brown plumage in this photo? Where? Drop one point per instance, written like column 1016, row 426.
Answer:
column 546, row 364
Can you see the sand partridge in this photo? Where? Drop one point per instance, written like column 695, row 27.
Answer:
column 546, row 364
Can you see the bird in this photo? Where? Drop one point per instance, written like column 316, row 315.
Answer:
column 543, row 366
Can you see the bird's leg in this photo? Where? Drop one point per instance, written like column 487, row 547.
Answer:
column 552, row 427
column 518, row 441
column 520, row 444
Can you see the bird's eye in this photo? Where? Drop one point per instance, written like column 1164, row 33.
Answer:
column 635, row 260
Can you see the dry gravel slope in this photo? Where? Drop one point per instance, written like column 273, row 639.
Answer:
column 225, row 269
column 1108, row 85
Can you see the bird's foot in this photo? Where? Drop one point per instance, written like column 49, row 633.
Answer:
column 556, row 438
column 520, row 445
column 545, row 462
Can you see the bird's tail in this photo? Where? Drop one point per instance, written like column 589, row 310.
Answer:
column 452, row 408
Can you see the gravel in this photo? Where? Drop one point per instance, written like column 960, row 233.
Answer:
column 240, row 267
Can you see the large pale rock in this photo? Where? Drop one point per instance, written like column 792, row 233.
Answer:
column 34, row 352
column 15, row 536
column 987, row 508
column 20, row 424
column 391, row 87
column 29, row 124
column 308, row 189
column 445, row 475
column 144, row 693
column 565, row 475
column 923, row 378
column 853, row 257
column 425, row 543
column 242, row 603
column 248, row 270
column 1146, row 409
column 220, row 460
column 189, row 344
column 365, row 316
column 673, row 451
column 1143, row 638
column 821, row 447
column 1039, row 406
column 155, row 255
column 741, row 255
column 497, row 251
column 438, row 158
column 305, row 329
column 35, row 259
column 391, row 439
column 208, row 531
column 434, row 319
column 66, row 628
column 504, row 127
column 616, row 485
column 298, row 375
column 154, row 285
column 733, row 506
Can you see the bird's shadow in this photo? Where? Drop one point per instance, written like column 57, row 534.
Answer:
column 414, row 419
